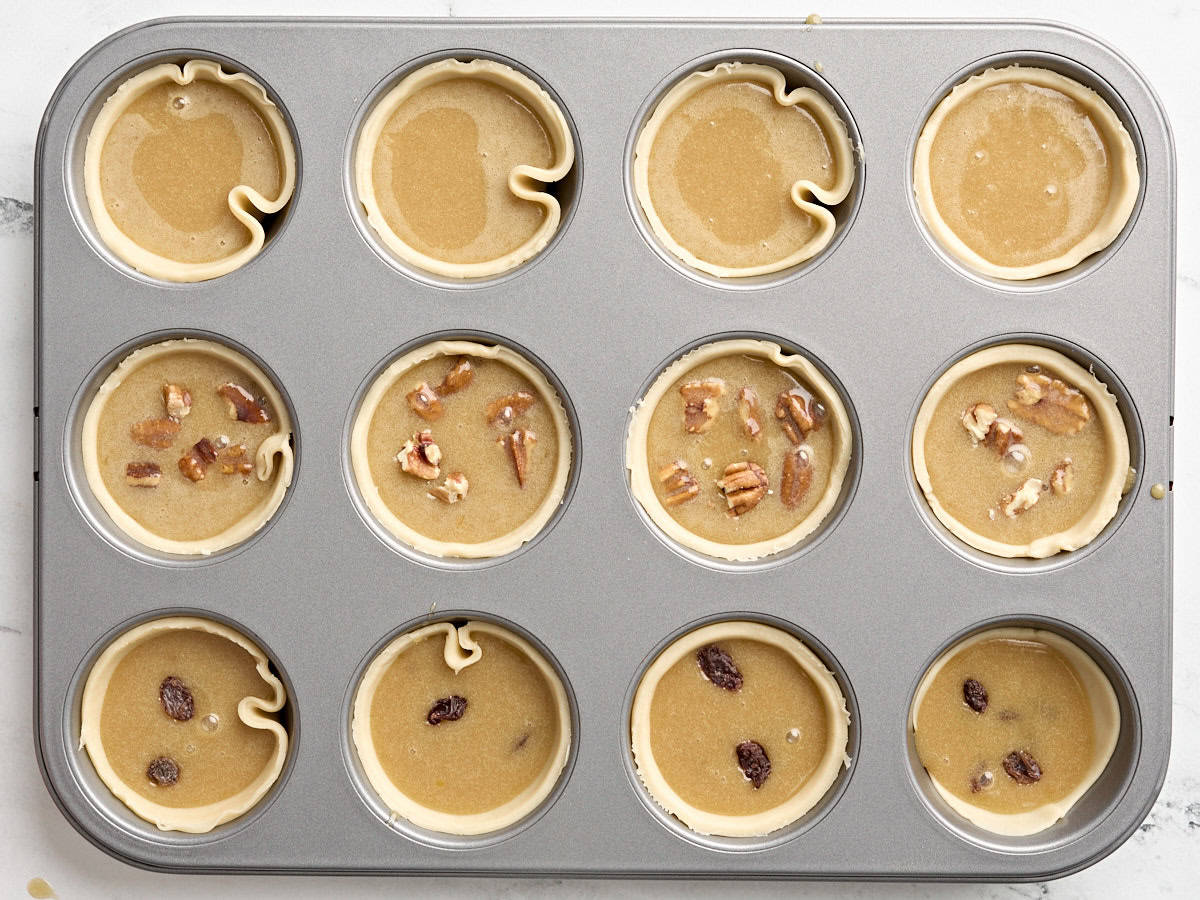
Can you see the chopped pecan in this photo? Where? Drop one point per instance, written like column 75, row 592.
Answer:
column 420, row 456
column 234, row 460
column 241, row 404
column 1022, row 767
column 700, row 405
column 423, row 400
column 177, row 400
column 798, row 414
column 503, row 410
column 797, row 475
column 520, row 442
column 460, row 376
column 1062, row 479
column 142, row 474
column 678, row 482
column 744, row 484
column 978, row 420
column 1016, row 459
column 753, row 761
column 453, row 489
column 156, row 433
column 194, row 464
column 1002, row 434
column 751, row 412
column 719, row 667
column 176, row 699
column 447, row 709
column 982, row 781
column 1051, row 403
column 163, row 771
column 975, row 695
column 1022, row 498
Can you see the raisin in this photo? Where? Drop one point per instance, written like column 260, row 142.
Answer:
column 176, row 699
column 975, row 695
column 752, row 760
column 448, row 709
column 719, row 668
column 163, row 771
column 1022, row 768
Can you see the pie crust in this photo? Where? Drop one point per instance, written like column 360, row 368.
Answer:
column 1108, row 418
column 246, row 204
column 370, row 492
column 524, row 181
column 1106, row 719
column 1122, row 194
column 836, row 753
column 251, row 710
column 460, row 651
column 641, row 481
column 803, row 192
column 266, row 466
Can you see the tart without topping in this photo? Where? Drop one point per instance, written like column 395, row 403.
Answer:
column 739, row 449
column 738, row 729
column 462, row 730
column 181, row 720
column 1022, row 172
column 1021, row 452
column 177, row 464
column 736, row 173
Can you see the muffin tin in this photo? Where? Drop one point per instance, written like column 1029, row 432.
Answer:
column 877, row 593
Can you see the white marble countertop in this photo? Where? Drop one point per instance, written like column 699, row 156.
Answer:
column 42, row 39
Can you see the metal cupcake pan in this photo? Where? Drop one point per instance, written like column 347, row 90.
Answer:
column 878, row 592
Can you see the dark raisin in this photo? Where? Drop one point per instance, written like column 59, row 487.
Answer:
column 752, row 760
column 176, row 699
column 448, row 709
column 718, row 668
column 163, row 771
column 975, row 695
column 1022, row 768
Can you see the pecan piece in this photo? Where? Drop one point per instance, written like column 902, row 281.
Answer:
column 423, row 400
column 978, row 420
column 234, row 461
column 1051, row 403
column 156, row 433
column 420, row 456
column 982, row 781
column 1022, row 767
column 751, row 412
column 177, row 400
column 753, row 761
column 797, row 475
column 719, row 667
column 678, row 482
column 1022, row 498
column 194, row 465
column 241, row 404
column 501, row 411
column 1003, row 434
column 700, row 406
column 142, row 474
column 519, row 443
column 975, row 695
column 163, row 771
column 447, row 709
column 798, row 414
column 176, row 699
column 1062, row 479
column 744, row 484
column 453, row 489
column 460, row 376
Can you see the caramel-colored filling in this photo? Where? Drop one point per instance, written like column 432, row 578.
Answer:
column 970, row 481
column 503, row 743
column 217, row 754
column 721, row 171
column 496, row 504
column 170, row 160
column 1020, row 173
column 178, row 508
column 708, row 454
column 1036, row 704
column 441, row 170
column 695, row 728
